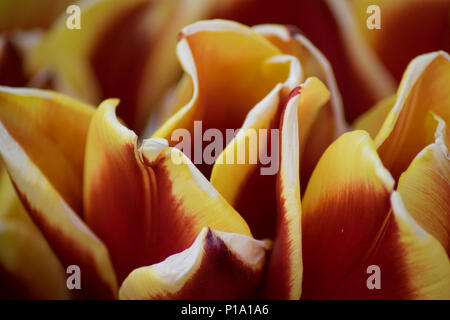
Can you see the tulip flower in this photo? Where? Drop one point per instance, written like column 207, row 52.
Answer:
column 79, row 183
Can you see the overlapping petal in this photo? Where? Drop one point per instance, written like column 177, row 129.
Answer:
column 249, row 67
column 146, row 203
column 330, row 122
column 28, row 267
column 412, row 263
column 135, row 37
column 331, row 26
column 352, row 220
column 51, row 129
column 70, row 239
column 218, row 265
column 409, row 127
column 372, row 120
column 425, row 187
column 11, row 64
column 343, row 212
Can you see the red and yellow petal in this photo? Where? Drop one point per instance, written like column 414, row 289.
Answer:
column 314, row 64
column 117, row 190
column 51, row 129
column 134, row 37
column 284, row 272
column 28, row 267
column 66, row 52
column 270, row 201
column 253, row 191
column 425, row 187
column 136, row 199
column 217, row 265
column 185, row 202
column 68, row 236
column 330, row 25
column 412, row 263
column 406, row 129
column 344, row 208
column 329, row 123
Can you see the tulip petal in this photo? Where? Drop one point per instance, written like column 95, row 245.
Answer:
column 135, row 198
column 249, row 67
column 270, row 203
column 284, row 271
column 66, row 52
column 253, row 192
column 70, row 239
column 28, row 267
column 314, row 63
column 52, row 129
column 425, row 187
column 343, row 211
column 412, row 263
column 217, row 265
column 330, row 25
column 329, row 123
column 186, row 201
column 373, row 119
column 406, row 131
column 117, row 190
column 135, row 38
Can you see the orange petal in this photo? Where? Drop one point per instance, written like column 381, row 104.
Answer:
column 250, row 67
column 70, row 239
column 51, row 129
column 412, row 263
column 405, row 132
column 425, row 187
column 217, row 265
column 344, row 208
column 373, row 119
column 135, row 199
